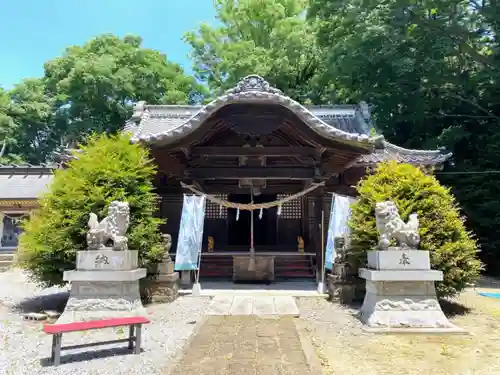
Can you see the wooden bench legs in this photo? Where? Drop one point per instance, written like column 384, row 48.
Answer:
column 56, row 349
column 134, row 336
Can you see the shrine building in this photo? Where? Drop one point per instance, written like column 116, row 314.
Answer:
column 251, row 144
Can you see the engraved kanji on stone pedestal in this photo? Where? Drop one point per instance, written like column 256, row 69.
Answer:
column 105, row 284
column 400, row 292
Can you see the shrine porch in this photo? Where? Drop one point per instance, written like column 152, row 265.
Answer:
column 220, row 265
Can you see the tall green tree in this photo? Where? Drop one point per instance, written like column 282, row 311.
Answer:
column 271, row 38
column 6, row 125
column 107, row 168
column 90, row 88
column 34, row 116
column 452, row 249
column 430, row 69
column 99, row 81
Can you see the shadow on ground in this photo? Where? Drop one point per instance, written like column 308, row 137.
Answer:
column 54, row 302
column 89, row 356
column 452, row 308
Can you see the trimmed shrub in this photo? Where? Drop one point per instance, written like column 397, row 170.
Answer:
column 453, row 249
column 108, row 168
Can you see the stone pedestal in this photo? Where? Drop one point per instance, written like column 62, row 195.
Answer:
column 262, row 271
column 344, row 285
column 185, row 278
column 400, row 293
column 105, row 285
column 165, row 287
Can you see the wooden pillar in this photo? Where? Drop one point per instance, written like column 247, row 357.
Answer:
column 305, row 218
column 318, row 208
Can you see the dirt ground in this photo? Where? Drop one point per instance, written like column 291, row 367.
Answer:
column 344, row 348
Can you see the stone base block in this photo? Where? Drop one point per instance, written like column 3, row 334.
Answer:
column 390, row 305
column 260, row 268
column 108, row 260
column 105, row 276
column 345, row 291
column 397, row 259
column 166, row 268
column 400, row 275
column 90, row 300
column 165, row 288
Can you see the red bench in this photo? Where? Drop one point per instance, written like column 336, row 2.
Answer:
column 56, row 330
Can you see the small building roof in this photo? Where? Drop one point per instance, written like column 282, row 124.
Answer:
column 24, row 182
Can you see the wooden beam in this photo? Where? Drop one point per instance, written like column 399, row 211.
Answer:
column 234, row 189
column 256, row 151
column 215, row 173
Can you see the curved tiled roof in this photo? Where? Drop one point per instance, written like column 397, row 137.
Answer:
column 348, row 123
column 182, row 120
column 389, row 151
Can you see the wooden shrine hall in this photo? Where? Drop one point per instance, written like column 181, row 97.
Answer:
column 256, row 144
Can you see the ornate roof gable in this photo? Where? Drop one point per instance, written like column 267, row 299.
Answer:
column 155, row 125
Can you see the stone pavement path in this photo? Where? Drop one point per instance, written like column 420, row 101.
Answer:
column 245, row 345
column 253, row 305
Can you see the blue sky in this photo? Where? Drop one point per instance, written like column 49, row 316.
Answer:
column 34, row 31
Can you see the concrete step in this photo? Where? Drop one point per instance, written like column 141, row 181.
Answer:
column 6, row 261
column 6, row 257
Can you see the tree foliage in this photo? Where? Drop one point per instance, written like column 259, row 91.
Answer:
column 431, row 71
column 442, row 230
column 106, row 169
column 90, row 88
column 270, row 38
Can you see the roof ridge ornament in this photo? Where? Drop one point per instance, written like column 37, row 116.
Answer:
column 253, row 82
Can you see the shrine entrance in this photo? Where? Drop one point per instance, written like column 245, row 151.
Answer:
column 264, row 224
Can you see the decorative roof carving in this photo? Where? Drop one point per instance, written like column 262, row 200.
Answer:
column 387, row 151
column 252, row 89
column 253, row 82
column 349, row 123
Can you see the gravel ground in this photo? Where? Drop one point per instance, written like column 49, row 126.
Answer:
column 25, row 348
column 345, row 349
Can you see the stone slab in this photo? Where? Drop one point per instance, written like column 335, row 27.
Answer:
column 399, row 260
column 131, row 275
column 405, row 331
column 34, row 316
column 253, row 305
column 220, row 305
column 286, row 306
column 400, row 275
column 242, row 305
column 107, row 260
column 264, row 306
column 168, row 278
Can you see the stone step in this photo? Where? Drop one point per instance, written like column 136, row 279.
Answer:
column 5, row 263
column 7, row 256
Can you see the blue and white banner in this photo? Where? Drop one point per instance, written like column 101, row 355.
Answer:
column 337, row 227
column 190, row 233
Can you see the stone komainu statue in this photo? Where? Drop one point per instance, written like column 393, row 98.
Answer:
column 391, row 226
column 112, row 228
